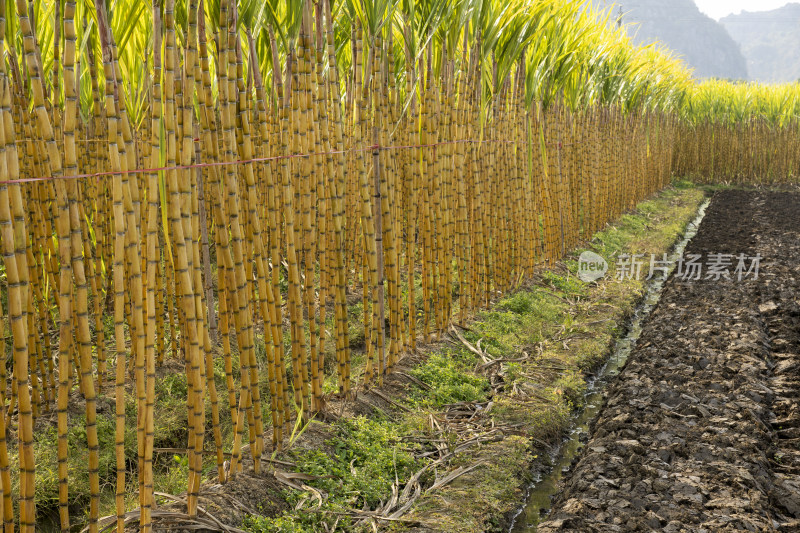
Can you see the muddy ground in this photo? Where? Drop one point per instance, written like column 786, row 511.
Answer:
column 701, row 431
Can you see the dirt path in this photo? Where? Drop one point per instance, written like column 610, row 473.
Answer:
column 701, row 431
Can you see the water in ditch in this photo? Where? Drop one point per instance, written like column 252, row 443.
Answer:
column 545, row 486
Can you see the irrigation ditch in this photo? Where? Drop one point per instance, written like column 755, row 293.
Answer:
column 563, row 457
column 699, row 430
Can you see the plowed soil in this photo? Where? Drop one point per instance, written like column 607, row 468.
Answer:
column 701, row 430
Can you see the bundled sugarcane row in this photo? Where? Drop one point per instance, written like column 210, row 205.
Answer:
column 231, row 204
column 740, row 133
column 754, row 152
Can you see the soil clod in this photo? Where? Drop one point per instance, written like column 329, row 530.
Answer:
column 699, row 431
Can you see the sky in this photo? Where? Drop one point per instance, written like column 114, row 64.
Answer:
column 717, row 9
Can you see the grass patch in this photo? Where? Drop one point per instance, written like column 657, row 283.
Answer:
column 449, row 374
column 364, row 462
column 45, row 448
column 569, row 286
column 521, row 319
column 356, row 468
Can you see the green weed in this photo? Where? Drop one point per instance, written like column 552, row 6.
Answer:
column 450, row 379
column 362, row 462
column 569, row 285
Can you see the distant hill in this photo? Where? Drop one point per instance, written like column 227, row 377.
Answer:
column 678, row 24
column 770, row 41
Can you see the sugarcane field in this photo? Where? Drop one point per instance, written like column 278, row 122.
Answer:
column 408, row 266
